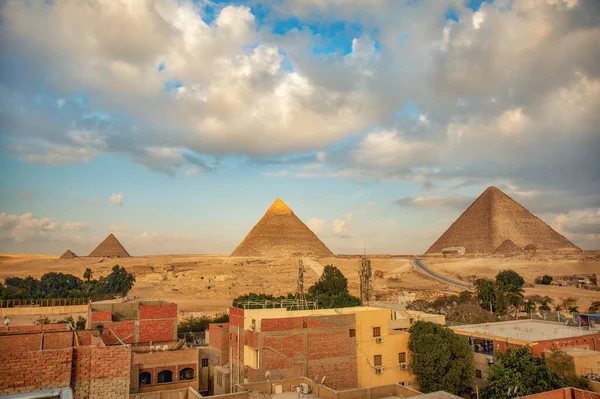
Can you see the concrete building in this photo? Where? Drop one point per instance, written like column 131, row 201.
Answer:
column 350, row 347
column 586, row 361
column 537, row 334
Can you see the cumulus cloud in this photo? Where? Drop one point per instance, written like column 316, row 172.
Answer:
column 316, row 225
column 26, row 226
column 116, row 199
column 457, row 202
column 75, row 226
column 341, row 227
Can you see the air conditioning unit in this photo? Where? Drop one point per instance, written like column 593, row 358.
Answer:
column 379, row 340
column 403, row 366
column 378, row 370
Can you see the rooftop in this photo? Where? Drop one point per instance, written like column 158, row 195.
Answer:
column 523, row 330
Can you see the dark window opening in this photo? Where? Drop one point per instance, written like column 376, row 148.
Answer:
column 165, row 376
column 145, row 378
column 186, row 374
column 377, row 331
column 377, row 360
column 402, row 357
column 478, row 374
column 352, row 332
column 205, row 362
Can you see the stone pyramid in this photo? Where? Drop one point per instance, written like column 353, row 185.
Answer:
column 508, row 247
column 68, row 255
column 493, row 218
column 110, row 248
column 281, row 234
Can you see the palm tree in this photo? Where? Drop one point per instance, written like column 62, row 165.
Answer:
column 515, row 298
column 557, row 309
column 545, row 305
column 88, row 274
column 529, row 307
column 574, row 309
column 570, row 303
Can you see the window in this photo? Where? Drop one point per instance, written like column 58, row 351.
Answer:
column 377, row 362
column 377, row 331
column 352, row 332
column 145, row 378
column 219, row 378
column 402, row 357
column 478, row 374
column 165, row 376
column 205, row 362
column 186, row 374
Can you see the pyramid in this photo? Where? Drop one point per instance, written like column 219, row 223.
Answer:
column 493, row 218
column 68, row 255
column 507, row 247
column 110, row 248
column 281, row 234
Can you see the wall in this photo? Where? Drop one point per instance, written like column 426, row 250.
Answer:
column 175, row 361
column 219, row 341
column 591, row 341
column 394, row 342
column 565, row 393
column 34, row 370
column 45, row 310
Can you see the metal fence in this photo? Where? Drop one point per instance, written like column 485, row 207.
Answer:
column 31, row 303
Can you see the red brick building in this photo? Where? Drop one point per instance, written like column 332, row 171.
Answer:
column 140, row 322
column 313, row 346
column 33, row 361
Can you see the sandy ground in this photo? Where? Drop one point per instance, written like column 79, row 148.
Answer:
column 208, row 283
column 469, row 269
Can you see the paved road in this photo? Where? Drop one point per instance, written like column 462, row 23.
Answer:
column 417, row 264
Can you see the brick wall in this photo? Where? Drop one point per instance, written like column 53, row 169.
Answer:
column 587, row 341
column 101, row 316
column 35, row 370
column 125, row 330
column 565, row 393
column 158, row 330
column 167, row 311
column 219, row 341
column 20, row 343
column 236, row 317
column 58, row 340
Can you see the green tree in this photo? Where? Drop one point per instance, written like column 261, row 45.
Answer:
column 60, row 285
column 518, row 368
column 485, row 291
column 88, row 274
column 119, row 281
column 510, row 280
column 557, row 309
column 331, row 290
column 441, row 360
column 545, row 305
column 465, row 297
column 546, row 280
column 562, row 365
column 594, row 307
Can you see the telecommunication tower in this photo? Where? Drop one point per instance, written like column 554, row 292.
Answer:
column 366, row 287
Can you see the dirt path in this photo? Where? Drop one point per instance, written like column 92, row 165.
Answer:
column 314, row 265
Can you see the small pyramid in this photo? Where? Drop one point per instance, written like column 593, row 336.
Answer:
column 110, row 248
column 281, row 234
column 492, row 219
column 508, row 247
column 68, row 255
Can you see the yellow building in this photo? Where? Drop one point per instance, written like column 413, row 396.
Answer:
column 282, row 344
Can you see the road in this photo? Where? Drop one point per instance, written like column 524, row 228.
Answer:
column 417, row 264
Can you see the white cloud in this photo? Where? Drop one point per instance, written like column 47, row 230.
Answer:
column 119, row 228
column 388, row 149
column 341, row 227
column 25, row 227
column 316, row 225
column 457, row 202
column 74, row 226
column 116, row 199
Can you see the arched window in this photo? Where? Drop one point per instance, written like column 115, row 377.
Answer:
column 186, row 374
column 165, row 376
column 145, row 378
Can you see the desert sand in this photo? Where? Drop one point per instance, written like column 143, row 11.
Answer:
column 208, row 283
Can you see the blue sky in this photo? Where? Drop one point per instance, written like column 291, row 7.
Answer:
column 378, row 123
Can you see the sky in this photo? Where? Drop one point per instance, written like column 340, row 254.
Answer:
column 175, row 124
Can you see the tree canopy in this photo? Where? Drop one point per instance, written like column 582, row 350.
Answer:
column 519, row 368
column 60, row 285
column 441, row 359
column 500, row 294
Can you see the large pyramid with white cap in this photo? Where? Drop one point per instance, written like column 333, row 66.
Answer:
column 492, row 219
column 281, row 234
column 110, row 248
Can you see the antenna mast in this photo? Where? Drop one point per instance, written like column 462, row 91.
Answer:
column 365, row 274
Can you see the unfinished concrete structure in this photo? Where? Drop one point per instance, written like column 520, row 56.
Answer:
column 493, row 219
column 281, row 234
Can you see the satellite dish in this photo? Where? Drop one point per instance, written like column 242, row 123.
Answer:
column 165, row 348
column 98, row 330
column 6, row 322
column 267, row 374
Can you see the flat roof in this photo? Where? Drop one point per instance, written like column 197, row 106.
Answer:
column 523, row 330
column 576, row 352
